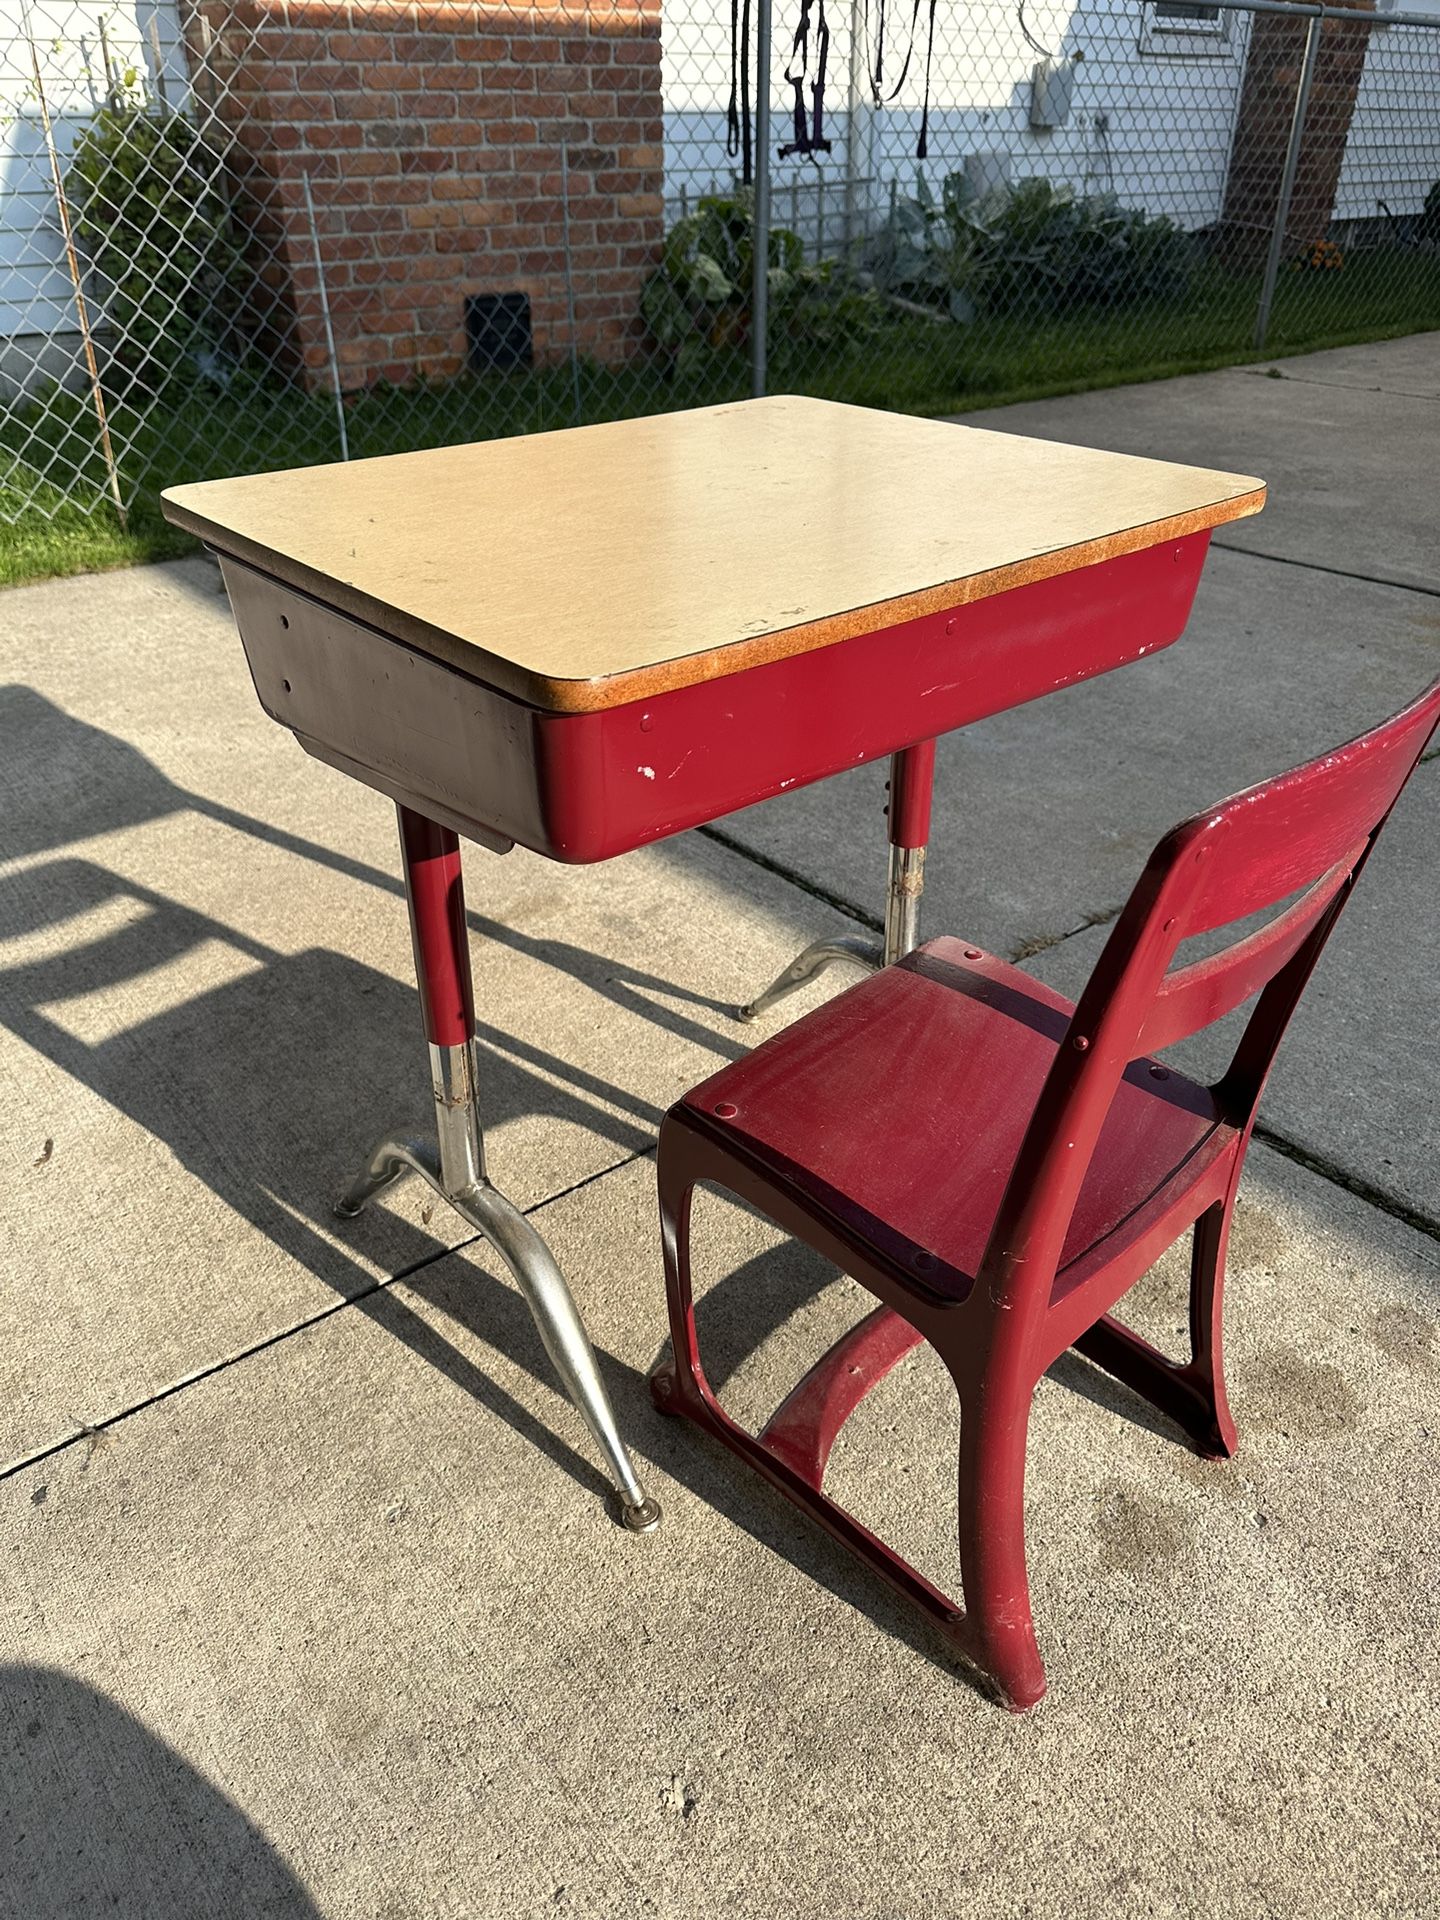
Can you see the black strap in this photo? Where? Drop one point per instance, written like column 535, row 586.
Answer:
column 809, row 128
column 808, row 117
column 738, row 134
column 878, row 92
column 922, row 146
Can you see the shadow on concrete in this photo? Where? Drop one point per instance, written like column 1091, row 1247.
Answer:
column 317, row 1039
column 256, row 1085
column 63, row 780
column 272, row 1086
column 99, row 1816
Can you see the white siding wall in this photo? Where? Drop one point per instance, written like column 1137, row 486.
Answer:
column 1152, row 115
column 1393, row 152
column 35, row 294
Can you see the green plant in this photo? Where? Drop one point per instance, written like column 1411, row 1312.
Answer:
column 1032, row 248
column 154, row 218
column 1039, row 248
column 923, row 251
column 699, row 297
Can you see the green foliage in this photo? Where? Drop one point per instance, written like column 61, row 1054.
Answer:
column 1032, row 249
column 698, row 298
column 922, row 254
column 155, row 222
column 1043, row 249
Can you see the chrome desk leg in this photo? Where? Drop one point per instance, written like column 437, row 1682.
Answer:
column 912, row 775
column 455, row 1165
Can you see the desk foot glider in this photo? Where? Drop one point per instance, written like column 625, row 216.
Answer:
column 912, row 778
column 455, row 1165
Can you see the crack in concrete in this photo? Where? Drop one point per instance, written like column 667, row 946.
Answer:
column 1043, row 942
column 1326, row 1169
column 1318, row 566
column 1345, row 386
column 88, row 1433
column 861, row 915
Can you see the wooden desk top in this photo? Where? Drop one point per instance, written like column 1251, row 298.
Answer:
column 583, row 569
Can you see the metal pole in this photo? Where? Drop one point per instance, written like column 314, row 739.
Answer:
column 1287, row 178
column 157, row 52
column 857, row 124
column 325, row 315
column 82, row 311
column 760, row 284
column 569, row 274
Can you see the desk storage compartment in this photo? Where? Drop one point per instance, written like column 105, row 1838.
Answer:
column 584, row 786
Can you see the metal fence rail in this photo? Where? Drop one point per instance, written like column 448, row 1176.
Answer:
column 247, row 233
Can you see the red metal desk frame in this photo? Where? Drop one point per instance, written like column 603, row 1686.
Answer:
column 462, row 757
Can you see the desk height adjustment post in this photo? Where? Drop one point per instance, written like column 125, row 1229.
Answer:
column 912, row 776
column 912, row 782
column 455, row 1165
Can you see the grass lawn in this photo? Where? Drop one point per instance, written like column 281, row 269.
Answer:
column 913, row 365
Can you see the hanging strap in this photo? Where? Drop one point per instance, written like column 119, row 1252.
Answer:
column 809, row 126
column 878, row 93
column 738, row 135
column 922, row 145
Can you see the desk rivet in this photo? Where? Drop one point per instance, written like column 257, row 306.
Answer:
column 1159, row 1073
column 646, row 723
column 726, row 1111
column 973, row 953
column 1081, row 1044
column 949, row 628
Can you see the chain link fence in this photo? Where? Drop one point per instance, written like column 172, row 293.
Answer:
column 241, row 234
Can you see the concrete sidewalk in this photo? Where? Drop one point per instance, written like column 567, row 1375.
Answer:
column 312, row 1606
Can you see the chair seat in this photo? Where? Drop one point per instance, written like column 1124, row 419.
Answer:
column 898, row 1108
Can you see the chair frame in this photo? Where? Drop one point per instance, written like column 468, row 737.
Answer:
column 998, row 1331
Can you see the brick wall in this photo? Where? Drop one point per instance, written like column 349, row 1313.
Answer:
column 1262, row 132
column 432, row 135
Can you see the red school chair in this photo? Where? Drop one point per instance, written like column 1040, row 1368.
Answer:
column 998, row 1165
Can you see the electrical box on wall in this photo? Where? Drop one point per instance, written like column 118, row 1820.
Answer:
column 1052, row 86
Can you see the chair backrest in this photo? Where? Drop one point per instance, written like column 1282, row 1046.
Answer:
column 1305, row 833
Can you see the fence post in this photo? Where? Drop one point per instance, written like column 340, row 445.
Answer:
column 570, row 279
column 340, row 426
column 858, row 157
column 760, row 284
column 1287, row 178
column 77, row 284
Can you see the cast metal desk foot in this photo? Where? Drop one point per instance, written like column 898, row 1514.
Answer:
column 455, row 1165
column 852, row 949
column 911, row 780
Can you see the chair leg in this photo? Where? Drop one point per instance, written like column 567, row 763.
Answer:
column 1191, row 1394
column 998, row 1622
column 1207, row 1288
column 677, row 1382
column 998, row 1635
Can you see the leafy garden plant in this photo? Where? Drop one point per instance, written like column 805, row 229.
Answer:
column 1033, row 248
column 154, row 218
column 699, row 297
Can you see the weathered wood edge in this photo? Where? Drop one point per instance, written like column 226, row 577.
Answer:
column 644, row 683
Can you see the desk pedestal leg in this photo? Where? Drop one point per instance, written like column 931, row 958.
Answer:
column 912, row 775
column 455, row 1165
